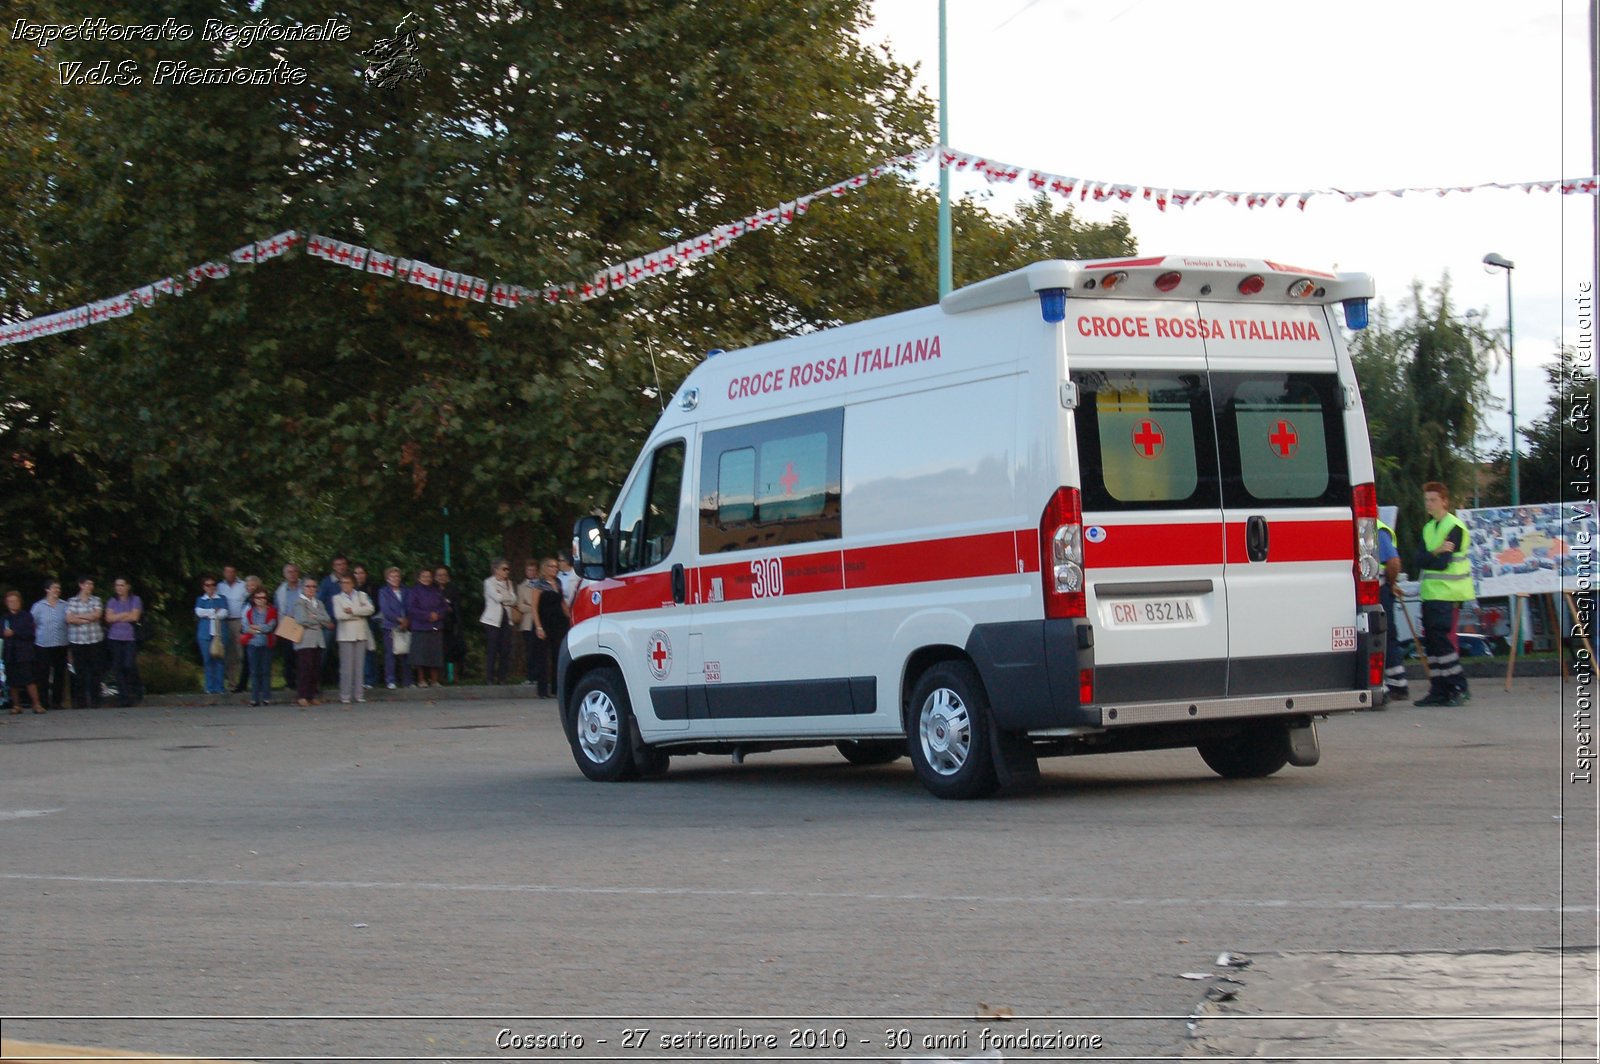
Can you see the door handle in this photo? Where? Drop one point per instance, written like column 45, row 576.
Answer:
column 680, row 588
column 1256, row 539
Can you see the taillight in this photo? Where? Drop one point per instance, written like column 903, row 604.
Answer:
column 1375, row 671
column 1085, row 687
column 1168, row 281
column 1364, row 504
column 1061, row 555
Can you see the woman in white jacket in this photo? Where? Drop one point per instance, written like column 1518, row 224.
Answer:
column 351, row 608
column 499, row 600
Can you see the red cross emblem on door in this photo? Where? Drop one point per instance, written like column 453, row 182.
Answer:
column 1148, row 439
column 1283, row 439
column 658, row 654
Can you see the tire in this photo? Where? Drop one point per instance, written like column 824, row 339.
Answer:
column 948, row 725
column 602, row 726
column 872, row 751
column 1256, row 752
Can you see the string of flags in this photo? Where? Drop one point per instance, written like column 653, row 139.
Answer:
column 683, row 253
column 1164, row 196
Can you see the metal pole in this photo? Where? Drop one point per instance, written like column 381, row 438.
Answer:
column 946, row 271
column 449, row 668
column 1511, row 364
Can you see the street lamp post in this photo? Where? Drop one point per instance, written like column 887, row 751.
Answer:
column 1494, row 260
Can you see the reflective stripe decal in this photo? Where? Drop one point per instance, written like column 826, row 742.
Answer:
column 988, row 554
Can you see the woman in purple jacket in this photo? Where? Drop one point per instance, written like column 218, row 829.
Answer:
column 392, row 600
column 16, row 628
column 427, row 609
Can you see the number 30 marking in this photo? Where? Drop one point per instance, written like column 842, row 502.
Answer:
column 768, row 578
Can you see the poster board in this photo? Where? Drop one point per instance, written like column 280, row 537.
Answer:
column 1536, row 550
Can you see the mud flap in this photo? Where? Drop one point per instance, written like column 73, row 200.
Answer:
column 1015, row 764
column 1304, row 750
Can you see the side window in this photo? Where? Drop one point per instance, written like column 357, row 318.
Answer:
column 1284, row 435
column 1145, row 440
column 646, row 524
column 771, row 483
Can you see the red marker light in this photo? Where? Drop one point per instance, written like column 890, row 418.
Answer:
column 1168, row 281
column 1252, row 284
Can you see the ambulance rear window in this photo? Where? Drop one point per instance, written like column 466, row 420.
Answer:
column 1282, row 439
column 1145, row 440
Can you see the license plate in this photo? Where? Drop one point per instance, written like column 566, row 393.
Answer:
column 1150, row 612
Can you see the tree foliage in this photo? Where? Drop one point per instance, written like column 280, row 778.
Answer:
column 297, row 409
column 1423, row 385
column 1558, row 460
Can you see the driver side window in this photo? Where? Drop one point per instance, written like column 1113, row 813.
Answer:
column 646, row 524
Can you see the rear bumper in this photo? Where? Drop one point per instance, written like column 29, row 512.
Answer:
column 1030, row 670
column 1312, row 703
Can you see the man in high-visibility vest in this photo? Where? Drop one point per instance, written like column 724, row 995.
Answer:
column 1445, row 571
column 1394, row 675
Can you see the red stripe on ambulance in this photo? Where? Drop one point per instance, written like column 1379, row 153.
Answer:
column 1295, row 541
column 959, row 557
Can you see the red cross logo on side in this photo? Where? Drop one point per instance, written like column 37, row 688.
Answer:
column 789, row 479
column 1284, row 440
column 1149, row 440
column 658, row 654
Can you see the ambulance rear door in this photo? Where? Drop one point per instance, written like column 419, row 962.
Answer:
column 1152, row 516
column 1286, row 499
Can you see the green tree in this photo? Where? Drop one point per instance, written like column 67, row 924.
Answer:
column 297, row 409
column 1546, row 470
column 1423, row 386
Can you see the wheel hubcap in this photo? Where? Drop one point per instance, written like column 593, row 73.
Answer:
column 945, row 729
column 597, row 727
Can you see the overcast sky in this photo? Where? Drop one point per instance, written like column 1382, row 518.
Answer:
column 1363, row 94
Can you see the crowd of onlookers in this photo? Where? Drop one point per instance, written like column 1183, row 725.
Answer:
column 343, row 629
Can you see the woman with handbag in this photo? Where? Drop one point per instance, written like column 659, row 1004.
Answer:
column 499, row 619
column 259, row 622
column 212, row 610
column 351, row 608
column 392, row 602
column 313, row 617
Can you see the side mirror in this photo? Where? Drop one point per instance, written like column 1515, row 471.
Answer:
column 589, row 548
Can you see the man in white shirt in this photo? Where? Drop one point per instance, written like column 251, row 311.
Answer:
column 283, row 602
column 237, row 592
column 568, row 577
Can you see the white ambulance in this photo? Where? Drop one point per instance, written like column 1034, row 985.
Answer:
column 1083, row 507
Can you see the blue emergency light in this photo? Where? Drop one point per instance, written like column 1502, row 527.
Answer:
column 1355, row 314
column 1053, row 304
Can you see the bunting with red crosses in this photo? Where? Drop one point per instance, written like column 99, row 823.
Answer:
column 684, row 254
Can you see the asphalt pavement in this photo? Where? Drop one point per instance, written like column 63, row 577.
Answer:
column 431, row 878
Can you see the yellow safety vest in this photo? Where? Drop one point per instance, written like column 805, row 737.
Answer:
column 1454, row 582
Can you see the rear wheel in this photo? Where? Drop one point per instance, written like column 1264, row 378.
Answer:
column 1258, row 751
column 949, row 728
column 872, row 751
column 603, row 722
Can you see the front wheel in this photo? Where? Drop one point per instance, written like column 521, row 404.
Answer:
column 602, row 725
column 1253, row 753
column 949, row 727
